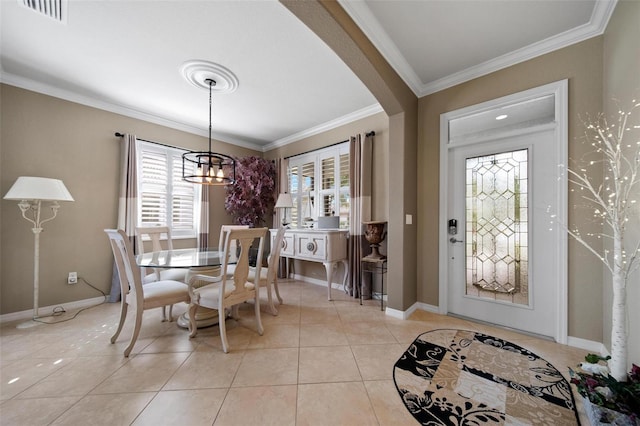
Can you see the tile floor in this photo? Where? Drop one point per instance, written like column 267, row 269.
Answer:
column 318, row 363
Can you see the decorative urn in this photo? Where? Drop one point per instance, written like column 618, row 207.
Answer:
column 375, row 234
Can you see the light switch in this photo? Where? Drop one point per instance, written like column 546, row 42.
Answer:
column 408, row 219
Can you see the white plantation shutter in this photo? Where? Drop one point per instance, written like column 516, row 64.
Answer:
column 164, row 198
column 183, row 199
column 330, row 168
column 328, row 193
column 153, row 188
column 293, row 190
column 345, row 198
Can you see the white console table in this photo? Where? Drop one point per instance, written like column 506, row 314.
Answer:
column 328, row 246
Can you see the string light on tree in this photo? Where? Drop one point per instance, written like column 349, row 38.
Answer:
column 613, row 201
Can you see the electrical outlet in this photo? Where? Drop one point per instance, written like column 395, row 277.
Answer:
column 73, row 278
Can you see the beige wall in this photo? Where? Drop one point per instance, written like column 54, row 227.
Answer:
column 622, row 82
column 45, row 136
column 378, row 123
column 582, row 65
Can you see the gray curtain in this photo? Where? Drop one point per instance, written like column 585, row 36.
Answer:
column 127, row 202
column 282, row 185
column 202, row 231
column 360, row 153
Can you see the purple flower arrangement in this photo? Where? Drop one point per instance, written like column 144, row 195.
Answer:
column 252, row 197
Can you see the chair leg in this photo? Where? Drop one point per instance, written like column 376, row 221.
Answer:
column 235, row 312
column 164, row 314
column 170, row 313
column 275, row 285
column 258, row 317
column 193, row 329
column 274, row 311
column 136, row 331
column 123, row 316
column 223, row 330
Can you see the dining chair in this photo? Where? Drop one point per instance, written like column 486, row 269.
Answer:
column 269, row 276
column 234, row 289
column 216, row 271
column 155, row 235
column 223, row 231
column 233, row 247
column 142, row 297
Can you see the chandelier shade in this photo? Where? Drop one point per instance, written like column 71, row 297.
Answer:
column 211, row 168
column 207, row 167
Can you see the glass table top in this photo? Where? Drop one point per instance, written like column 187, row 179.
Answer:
column 180, row 258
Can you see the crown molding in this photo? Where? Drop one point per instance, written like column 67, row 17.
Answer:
column 367, row 22
column 596, row 26
column 45, row 89
column 329, row 125
column 362, row 16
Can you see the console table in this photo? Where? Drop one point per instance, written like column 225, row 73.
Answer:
column 327, row 246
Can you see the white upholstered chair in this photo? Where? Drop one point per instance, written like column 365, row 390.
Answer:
column 156, row 294
column 269, row 275
column 155, row 234
column 232, row 290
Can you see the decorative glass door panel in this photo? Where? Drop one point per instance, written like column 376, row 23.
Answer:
column 497, row 227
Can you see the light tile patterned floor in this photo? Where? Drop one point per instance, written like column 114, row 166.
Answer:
column 318, row 363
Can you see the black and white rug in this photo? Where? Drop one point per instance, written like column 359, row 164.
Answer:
column 459, row 377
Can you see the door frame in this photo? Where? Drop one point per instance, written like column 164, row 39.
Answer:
column 560, row 91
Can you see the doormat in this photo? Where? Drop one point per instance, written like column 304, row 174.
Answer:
column 459, row 377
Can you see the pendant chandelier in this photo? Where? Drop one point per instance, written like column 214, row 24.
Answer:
column 207, row 167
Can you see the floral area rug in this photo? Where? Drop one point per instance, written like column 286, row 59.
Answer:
column 458, row 377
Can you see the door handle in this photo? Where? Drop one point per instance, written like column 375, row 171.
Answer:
column 453, row 240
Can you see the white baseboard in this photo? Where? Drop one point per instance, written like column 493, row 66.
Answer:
column 315, row 281
column 403, row 315
column 589, row 345
column 48, row 310
column 429, row 308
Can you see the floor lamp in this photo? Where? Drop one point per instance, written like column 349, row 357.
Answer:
column 32, row 191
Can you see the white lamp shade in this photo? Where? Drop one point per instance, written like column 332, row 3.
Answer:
column 38, row 188
column 284, row 201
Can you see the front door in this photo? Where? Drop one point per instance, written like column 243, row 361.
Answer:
column 506, row 261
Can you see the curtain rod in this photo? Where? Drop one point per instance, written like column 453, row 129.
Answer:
column 119, row 135
column 371, row 133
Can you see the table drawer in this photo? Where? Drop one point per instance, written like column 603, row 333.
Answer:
column 310, row 246
column 287, row 245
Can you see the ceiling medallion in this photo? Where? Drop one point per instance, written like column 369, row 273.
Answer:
column 198, row 72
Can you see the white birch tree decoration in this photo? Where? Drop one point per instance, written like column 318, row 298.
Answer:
column 616, row 204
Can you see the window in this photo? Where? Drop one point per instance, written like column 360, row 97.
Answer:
column 164, row 199
column 319, row 186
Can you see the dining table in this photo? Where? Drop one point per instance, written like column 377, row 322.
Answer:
column 194, row 261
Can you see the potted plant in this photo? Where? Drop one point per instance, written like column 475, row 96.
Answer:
column 615, row 204
column 607, row 400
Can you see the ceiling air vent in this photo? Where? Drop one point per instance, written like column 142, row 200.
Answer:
column 54, row 9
